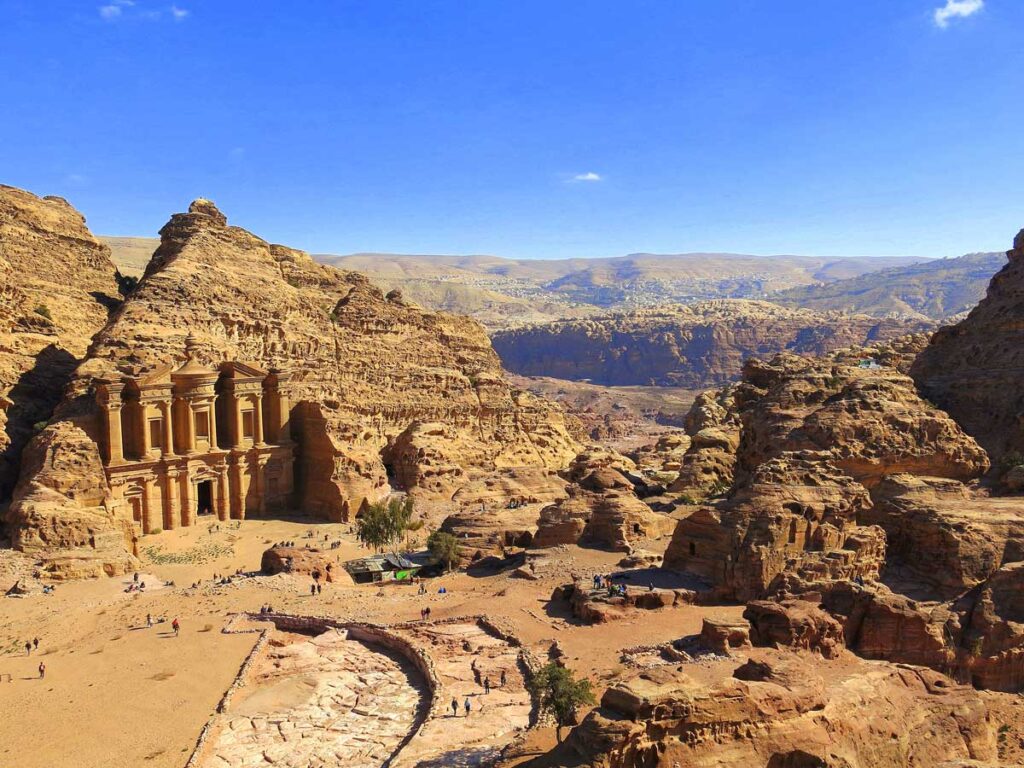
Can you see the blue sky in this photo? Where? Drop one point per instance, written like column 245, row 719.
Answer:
column 529, row 129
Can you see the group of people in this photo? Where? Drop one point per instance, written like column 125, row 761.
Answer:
column 481, row 680
column 605, row 582
column 265, row 609
column 33, row 645
column 136, row 585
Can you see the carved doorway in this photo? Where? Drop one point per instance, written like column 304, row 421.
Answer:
column 204, row 497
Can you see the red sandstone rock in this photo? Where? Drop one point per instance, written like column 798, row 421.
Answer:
column 794, row 624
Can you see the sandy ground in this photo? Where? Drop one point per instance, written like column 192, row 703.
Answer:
column 117, row 693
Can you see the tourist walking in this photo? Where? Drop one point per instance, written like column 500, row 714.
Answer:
column 35, row 644
column 466, row 705
column 42, row 670
column 28, row 647
column 455, row 708
column 487, row 685
column 312, row 589
column 503, row 678
column 176, row 627
column 149, row 619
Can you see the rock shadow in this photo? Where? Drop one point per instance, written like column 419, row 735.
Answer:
column 33, row 399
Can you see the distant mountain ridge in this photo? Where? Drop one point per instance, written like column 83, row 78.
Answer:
column 934, row 290
column 508, row 293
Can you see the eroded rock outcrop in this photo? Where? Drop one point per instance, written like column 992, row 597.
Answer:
column 373, row 379
column 601, row 510
column 56, row 287
column 944, row 534
column 797, row 514
column 696, row 345
column 784, row 711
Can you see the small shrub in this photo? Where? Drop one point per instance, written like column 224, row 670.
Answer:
column 1011, row 460
column 977, row 644
column 125, row 283
column 39, row 426
column 44, row 311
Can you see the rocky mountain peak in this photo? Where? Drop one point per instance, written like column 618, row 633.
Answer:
column 206, row 207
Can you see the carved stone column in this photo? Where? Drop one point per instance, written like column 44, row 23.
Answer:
column 168, row 425
column 188, row 502
column 190, row 426
column 147, row 447
column 213, row 423
column 284, row 429
column 237, row 491
column 257, row 403
column 171, row 496
column 239, row 432
column 260, row 481
column 223, row 492
column 115, row 441
column 148, row 505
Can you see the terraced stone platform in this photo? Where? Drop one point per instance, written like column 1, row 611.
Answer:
column 320, row 701
column 318, row 693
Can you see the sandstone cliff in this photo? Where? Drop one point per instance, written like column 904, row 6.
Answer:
column 699, row 345
column 379, row 386
column 800, row 444
column 972, row 369
column 56, row 287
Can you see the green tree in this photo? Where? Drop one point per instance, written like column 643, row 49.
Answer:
column 444, row 547
column 384, row 523
column 125, row 283
column 413, row 527
column 559, row 693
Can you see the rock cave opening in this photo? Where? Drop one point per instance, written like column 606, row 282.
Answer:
column 204, row 497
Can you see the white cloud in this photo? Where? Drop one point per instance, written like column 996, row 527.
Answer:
column 125, row 9
column 588, row 176
column 110, row 12
column 957, row 9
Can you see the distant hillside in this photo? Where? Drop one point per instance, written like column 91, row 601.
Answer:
column 131, row 254
column 552, row 288
column 935, row 289
column 692, row 346
column 508, row 293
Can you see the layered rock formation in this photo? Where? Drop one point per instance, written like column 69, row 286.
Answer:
column 56, row 287
column 377, row 384
column 797, row 514
column 693, row 346
column 807, row 440
column 601, row 509
column 972, row 369
column 783, row 711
